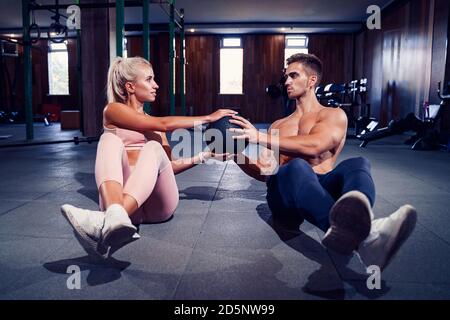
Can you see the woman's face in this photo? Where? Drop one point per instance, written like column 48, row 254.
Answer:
column 145, row 86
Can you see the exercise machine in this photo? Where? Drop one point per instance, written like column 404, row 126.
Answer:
column 428, row 135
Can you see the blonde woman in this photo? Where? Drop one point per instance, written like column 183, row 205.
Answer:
column 134, row 170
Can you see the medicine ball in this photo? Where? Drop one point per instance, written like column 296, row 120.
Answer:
column 219, row 130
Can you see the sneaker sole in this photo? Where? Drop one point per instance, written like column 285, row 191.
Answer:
column 115, row 248
column 404, row 232
column 89, row 245
column 350, row 220
column 119, row 236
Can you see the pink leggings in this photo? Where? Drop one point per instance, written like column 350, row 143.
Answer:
column 151, row 182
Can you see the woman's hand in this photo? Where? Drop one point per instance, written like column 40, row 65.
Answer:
column 219, row 114
column 248, row 131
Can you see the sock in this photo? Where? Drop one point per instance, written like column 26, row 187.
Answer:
column 118, row 213
column 115, row 207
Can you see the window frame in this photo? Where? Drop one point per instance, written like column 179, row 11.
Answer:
column 223, row 46
column 49, row 52
column 298, row 47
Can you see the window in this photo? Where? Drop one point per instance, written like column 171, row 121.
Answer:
column 295, row 44
column 231, row 66
column 58, row 69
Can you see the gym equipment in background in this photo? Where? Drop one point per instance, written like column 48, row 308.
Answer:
column 351, row 97
column 229, row 145
column 427, row 132
column 75, row 140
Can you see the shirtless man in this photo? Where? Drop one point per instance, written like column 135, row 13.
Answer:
column 308, row 185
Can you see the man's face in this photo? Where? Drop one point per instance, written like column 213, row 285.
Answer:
column 298, row 82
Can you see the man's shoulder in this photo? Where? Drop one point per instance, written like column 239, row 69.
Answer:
column 277, row 123
column 332, row 113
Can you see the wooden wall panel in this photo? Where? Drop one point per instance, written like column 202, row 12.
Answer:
column 371, row 56
column 263, row 64
column 95, row 64
column 407, row 45
column 440, row 33
column 200, row 78
column 336, row 53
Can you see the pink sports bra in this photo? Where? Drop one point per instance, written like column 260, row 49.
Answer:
column 132, row 140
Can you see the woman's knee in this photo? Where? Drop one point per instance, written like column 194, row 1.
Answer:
column 110, row 139
column 153, row 146
column 155, row 149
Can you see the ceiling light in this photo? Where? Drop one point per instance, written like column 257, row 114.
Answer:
column 283, row 29
column 192, row 30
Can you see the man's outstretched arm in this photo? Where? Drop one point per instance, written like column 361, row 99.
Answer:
column 324, row 136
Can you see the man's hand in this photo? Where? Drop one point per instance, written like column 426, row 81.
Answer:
column 248, row 131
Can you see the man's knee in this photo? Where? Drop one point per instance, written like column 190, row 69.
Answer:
column 361, row 162
column 297, row 165
column 294, row 170
column 357, row 163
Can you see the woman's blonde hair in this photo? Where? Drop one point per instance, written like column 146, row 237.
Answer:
column 121, row 71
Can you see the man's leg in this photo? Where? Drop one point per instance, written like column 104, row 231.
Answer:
column 295, row 190
column 351, row 184
column 352, row 216
column 350, row 175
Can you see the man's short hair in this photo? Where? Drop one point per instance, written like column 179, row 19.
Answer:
column 310, row 61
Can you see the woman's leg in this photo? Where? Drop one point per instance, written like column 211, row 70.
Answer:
column 163, row 201
column 111, row 170
column 142, row 181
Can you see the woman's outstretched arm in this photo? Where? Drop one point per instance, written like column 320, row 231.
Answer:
column 122, row 116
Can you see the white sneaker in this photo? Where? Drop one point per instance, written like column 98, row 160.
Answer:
column 88, row 226
column 387, row 236
column 350, row 220
column 117, row 229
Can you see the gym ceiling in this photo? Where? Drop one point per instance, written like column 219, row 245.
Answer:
column 229, row 16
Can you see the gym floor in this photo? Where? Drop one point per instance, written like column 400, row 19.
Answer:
column 221, row 243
